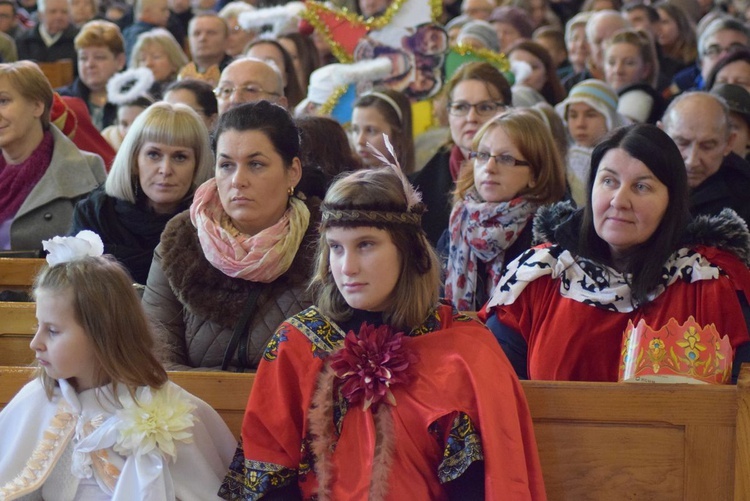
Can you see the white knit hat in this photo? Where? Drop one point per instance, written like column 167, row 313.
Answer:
column 599, row 96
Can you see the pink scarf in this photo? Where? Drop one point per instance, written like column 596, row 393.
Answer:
column 481, row 231
column 263, row 257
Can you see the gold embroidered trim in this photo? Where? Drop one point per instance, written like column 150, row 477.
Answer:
column 44, row 457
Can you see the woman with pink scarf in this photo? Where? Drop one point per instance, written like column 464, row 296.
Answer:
column 232, row 268
column 514, row 168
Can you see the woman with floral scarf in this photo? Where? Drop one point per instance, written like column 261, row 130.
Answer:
column 379, row 391
column 228, row 271
column 514, row 168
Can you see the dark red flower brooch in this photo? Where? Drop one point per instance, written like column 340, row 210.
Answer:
column 371, row 363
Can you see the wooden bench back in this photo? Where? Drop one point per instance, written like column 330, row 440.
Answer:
column 59, row 73
column 597, row 441
column 19, row 273
column 17, row 327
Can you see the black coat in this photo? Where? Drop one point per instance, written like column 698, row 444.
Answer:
column 435, row 183
column 130, row 232
column 31, row 46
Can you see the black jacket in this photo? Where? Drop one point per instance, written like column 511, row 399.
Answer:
column 80, row 90
column 31, row 46
column 729, row 187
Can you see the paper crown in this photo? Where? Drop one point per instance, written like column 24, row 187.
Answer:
column 676, row 353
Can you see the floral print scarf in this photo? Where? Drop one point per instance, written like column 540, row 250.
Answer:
column 481, row 231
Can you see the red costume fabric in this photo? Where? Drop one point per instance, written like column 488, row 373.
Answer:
column 576, row 340
column 460, row 369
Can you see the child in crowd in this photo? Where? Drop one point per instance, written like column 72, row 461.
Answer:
column 380, row 391
column 101, row 420
column 126, row 115
column 589, row 112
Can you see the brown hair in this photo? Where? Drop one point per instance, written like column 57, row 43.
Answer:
column 108, row 308
column 534, row 140
column 646, row 49
column 29, row 81
column 685, row 49
column 402, row 135
column 552, row 91
column 100, row 34
column 416, row 292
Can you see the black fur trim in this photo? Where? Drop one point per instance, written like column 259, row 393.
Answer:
column 548, row 218
column 726, row 231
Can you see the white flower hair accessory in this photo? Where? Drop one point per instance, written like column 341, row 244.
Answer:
column 67, row 249
column 129, row 85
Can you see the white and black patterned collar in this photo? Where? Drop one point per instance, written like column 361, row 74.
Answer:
column 594, row 284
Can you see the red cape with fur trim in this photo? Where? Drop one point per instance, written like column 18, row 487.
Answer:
column 461, row 368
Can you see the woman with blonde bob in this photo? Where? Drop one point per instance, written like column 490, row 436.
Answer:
column 163, row 159
column 514, row 169
column 380, row 391
column 102, row 420
column 158, row 51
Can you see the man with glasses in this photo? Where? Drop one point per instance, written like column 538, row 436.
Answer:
column 248, row 80
column 720, row 36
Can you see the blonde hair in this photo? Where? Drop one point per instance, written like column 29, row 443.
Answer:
column 100, row 34
column 535, row 143
column 29, row 81
column 109, row 310
column 165, row 40
column 172, row 124
column 646, row 49
column 416, row 292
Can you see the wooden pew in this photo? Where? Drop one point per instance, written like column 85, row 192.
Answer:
column 17, row 327
column 59, row 73
column 597, row 441
column 19, row 273
column 609, row 441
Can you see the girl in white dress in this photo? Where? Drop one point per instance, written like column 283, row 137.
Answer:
column 101, row 420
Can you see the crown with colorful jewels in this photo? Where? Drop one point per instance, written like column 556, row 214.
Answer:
column 676, row 353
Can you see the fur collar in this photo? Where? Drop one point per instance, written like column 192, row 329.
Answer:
column 207, row 292
column 559, row 223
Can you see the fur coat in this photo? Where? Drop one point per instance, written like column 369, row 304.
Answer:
column 196, row 307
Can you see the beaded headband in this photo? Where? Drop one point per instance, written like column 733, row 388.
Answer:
column 412, row 216
column 370, row 217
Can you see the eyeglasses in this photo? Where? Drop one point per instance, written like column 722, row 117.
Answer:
column 484, row 108
column 252, row 90
column 715, row 49
column 482, row 157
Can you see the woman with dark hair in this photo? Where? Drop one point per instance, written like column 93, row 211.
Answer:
column 271, row 50
column 324, row 152
column 196, row 94
column 379, row 391
column 631, row 254
column 232, row 268
column 543, row 77
column 304, row 55
column 676, row 35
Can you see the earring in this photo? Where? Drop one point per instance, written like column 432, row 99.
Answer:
column 290, row 191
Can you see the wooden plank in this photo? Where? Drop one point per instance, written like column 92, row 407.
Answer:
column 17, row 328
column 19, row 273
